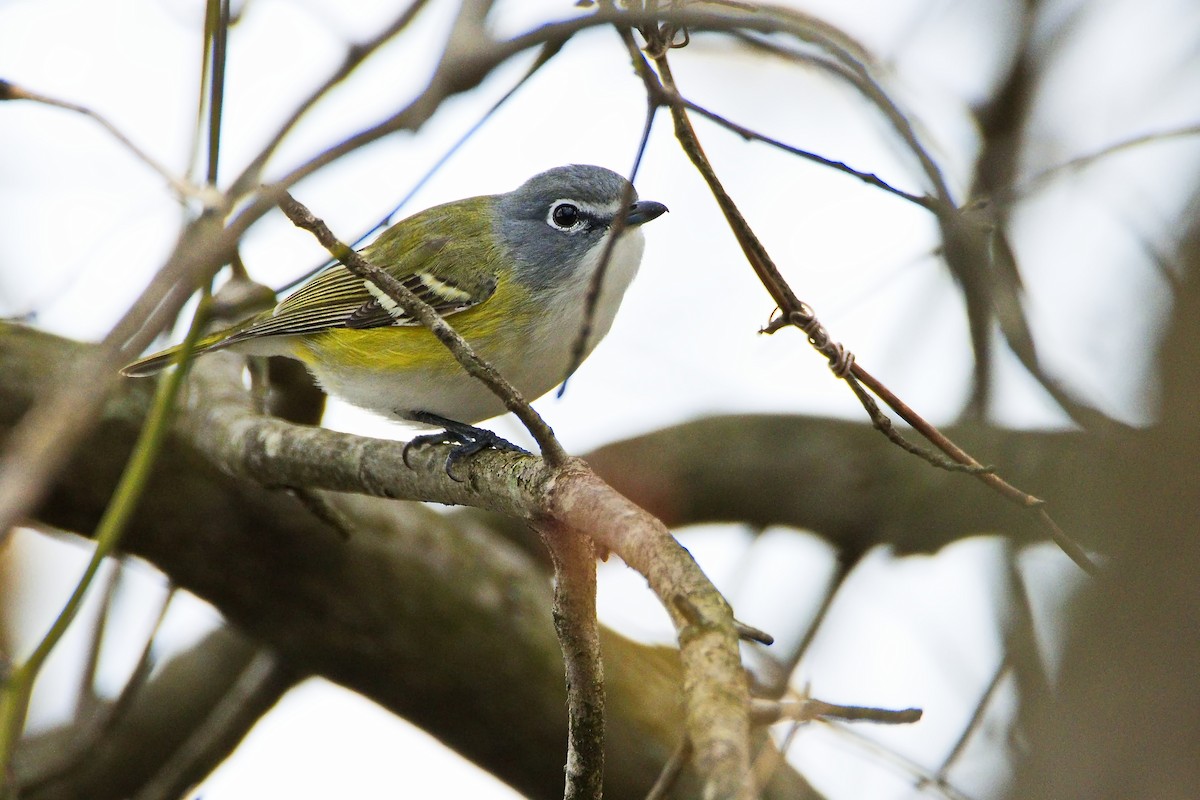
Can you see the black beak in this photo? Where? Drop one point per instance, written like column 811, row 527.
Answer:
column 643, row 211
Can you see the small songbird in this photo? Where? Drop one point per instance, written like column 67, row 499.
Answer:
column 511, row 272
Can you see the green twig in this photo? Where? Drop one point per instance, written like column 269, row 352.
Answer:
column 15, row 693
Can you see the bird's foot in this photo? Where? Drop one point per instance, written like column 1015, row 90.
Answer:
column 467, row 440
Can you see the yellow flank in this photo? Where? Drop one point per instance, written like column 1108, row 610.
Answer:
column 412, row 347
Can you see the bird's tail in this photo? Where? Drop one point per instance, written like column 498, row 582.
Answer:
column 157, row 362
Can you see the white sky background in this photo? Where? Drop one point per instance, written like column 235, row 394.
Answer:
column 84, row 226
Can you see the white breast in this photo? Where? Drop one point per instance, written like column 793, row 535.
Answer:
column 556, row 333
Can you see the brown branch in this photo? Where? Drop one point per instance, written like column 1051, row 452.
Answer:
column 671, row 771
column 376, row 613
column 572, row 553
column 662, row 87
column 183, row 188
column 257, row 688
column 592, row 298
column 767, row 712
column 251, row 176
column 570, row 499
column 749, row 134
column 574, row 558
column 145, row 731
column 1005, row 489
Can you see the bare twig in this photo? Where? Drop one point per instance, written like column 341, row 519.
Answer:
column 258, row 688
column 592, row 299
column 671, row 770
column 1082, row 162
column 887, row 755
column 766, row 712
column 662, row 88
column 844, row 564
column 217, row 31
column 749, row 633
column 942, row 776
column 869, row 178
column 548, row 52
column 1005, row 489
column 251, row 176
column 85, row 692
column 883, row 424
column 181, row 187
column 575, row 622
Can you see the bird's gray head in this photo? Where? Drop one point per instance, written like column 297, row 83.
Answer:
column 555, row 219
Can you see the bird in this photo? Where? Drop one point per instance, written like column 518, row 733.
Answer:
column 510, row 272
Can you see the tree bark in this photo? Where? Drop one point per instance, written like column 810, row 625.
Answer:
column 436, row 618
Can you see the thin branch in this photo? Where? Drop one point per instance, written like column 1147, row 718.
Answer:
column 261, row 684
column 749, row 633
column 596, row 285
column 883, row 424
column 941, row 777
column 570, row 498
column 671, row 770
column 768, row 712
column 1082, row 162
column 749, row 134
column 251, row 176
column 1005, row 489
column 547, row 52
column 798, row 313
column 216, row 27
column 300, row 216
column 575, row 622
column 843, row 567
column 887, row 755
column 85, row 692
column 181, row 187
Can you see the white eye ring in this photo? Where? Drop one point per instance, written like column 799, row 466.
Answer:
column 565, row 216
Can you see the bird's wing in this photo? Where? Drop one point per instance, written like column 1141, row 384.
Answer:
column 338, row 299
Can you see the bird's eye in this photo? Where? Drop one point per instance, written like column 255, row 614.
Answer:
column 565, row 216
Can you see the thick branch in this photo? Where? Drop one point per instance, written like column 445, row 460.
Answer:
column 438, row 620
column 840, row 480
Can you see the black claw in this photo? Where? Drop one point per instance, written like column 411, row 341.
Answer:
column 467, row 440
